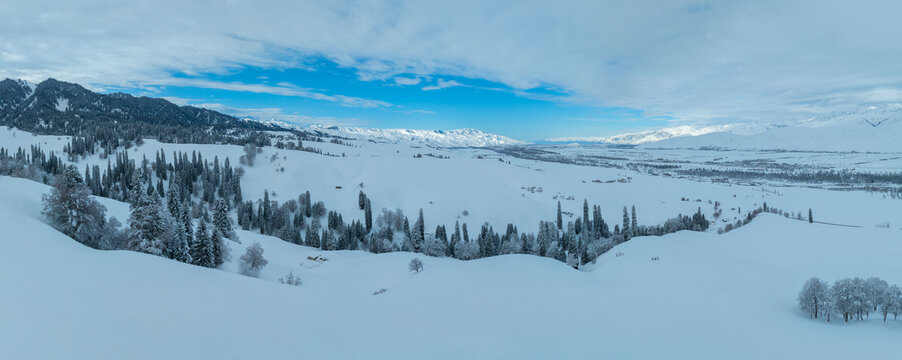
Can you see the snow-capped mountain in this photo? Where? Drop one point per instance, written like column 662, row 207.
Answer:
column 869, row 129
column 875, row 129
column 439, row 138
column 643, row 137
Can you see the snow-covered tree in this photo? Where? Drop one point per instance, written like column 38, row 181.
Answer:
column 416, row 265
column 455, row 239
column 252, row 261
column 626, row 231
column 311, row 238
column 876, row 288
column 813, row 296
column 146, row 223
column 291, row 279
column 368, row 215
column 221, row 221
column 220, row 249
column 844, row 298
column 560, row 218
column 889, row 301
column 418, row 234
column 202, row 251
column 70, row 209
column 634, row 224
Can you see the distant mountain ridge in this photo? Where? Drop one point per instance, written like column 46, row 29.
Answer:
column 874, row 129
column 437, row 138
column 643, row 137
column 62, row 108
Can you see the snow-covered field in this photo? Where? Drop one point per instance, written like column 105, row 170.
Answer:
column 516, row 191
column 709, row 296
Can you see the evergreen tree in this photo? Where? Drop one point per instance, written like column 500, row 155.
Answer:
column 219, row 248
column 560, row 218
column 418, row 234
column 311, row 238
column 368, row 215
column 70, row 209
column 810, row 218
column 145, row 223
column 455, row 238
column 177, row 248
column 625, row 230
column 361, row 200
column 221, row 221
column 202, row 251
column 634, row 225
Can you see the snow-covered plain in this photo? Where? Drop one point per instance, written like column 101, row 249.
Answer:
column 709, row 296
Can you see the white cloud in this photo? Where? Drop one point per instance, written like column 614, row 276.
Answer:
column 700, row 60
column 277, row 114
column 405, row 81
column 442, row 84
column 282, row 88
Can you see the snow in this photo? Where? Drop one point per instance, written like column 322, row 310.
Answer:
column 708, row 297
column 865, row 129
column 62, row 104
column 649, row 136
column 431, row 138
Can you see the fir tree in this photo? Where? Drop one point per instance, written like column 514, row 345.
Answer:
column 221, row 221
column 634, row 225
column 202, row 251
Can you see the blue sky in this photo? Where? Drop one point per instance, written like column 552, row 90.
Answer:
column 404, row 100
column 528, row 69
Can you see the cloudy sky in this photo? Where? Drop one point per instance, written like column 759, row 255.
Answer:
column 526, row 69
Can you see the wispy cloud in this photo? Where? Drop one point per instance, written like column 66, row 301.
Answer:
column 282, row 88
column 406, row 81
column 266, row 114
column 442, row 84
column 716, row 61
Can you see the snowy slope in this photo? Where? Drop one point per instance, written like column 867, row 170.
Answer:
column 708, row 297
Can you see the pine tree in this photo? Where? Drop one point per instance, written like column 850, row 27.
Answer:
column 361, row 200
column 418, row 234
column 146, row 223
column 634, row 225
column 586, row 212
column 70, row 209
column 311, row 238
column 172, row 201
column 187, row 225
column 560, row 219
column 202, row 251
column 455, row 238
column 267, row 214
column 368, row 215
column 178, row 249
column 221, row 221
column 810, row 218
column 219, row 248
column 626, row 231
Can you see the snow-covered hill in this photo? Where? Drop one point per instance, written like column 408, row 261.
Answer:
column 642, row 137
column 438, row 138
column 707, row 296
column 873, row 129
column 870, row 129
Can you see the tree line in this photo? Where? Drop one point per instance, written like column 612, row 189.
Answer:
column 852, row 298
